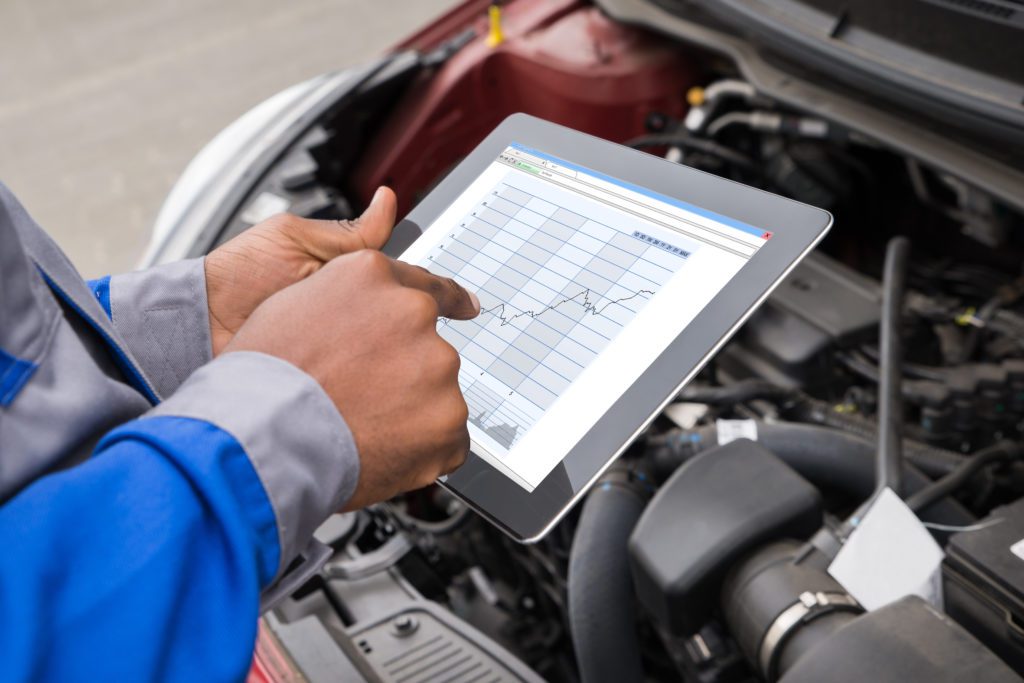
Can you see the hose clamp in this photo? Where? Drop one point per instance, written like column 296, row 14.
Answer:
column 808, row 607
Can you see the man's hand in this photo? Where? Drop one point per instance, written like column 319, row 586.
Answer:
column 365, row 327
column 280, row 251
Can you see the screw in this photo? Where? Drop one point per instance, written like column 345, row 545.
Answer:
column 404, row 625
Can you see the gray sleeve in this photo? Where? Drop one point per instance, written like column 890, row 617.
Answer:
column 297, row 441
column 162, row 315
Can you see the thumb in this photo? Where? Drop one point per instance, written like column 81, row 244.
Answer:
column 373, row 228
column 329, row 239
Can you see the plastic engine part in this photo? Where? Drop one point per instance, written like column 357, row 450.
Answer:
column 983, row 582
column 822, row 306
column 422, row 642
column 904, row 642
column 712, row 511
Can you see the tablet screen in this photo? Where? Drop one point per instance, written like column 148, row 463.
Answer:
column 583, row 281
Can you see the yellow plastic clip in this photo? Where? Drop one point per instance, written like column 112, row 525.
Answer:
column 495, row 36
column 967, row 317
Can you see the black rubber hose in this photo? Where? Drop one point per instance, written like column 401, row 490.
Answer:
column 602, row 608
column 935, row 462
column 826, row 457
column 889, row 459
column 937, row 490
column 738, row 392
column 691, row 143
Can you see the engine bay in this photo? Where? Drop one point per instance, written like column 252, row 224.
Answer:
column 724, row 516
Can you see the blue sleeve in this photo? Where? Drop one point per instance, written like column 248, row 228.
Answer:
column 143, row 563
column 101, row 290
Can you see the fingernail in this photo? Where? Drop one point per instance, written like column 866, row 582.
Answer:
column 475, row 300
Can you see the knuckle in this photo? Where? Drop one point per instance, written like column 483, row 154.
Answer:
column 460, row 453
column 454, row 288
column 422, row 307
column 436, row 284
column 371, row 258
column 441, row 468
column 427, row 476
column 459, row 459
column 445, row 288
column 371, row 262
column 448, row 358
column 460, row 414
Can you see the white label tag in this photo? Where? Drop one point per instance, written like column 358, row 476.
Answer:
column 888, row 556
column 1018, row 549
column 685, row 415
column 730, row 430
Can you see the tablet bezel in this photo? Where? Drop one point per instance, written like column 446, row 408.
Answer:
column 796, row 228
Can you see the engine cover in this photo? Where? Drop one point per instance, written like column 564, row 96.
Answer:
column 714, row 509
column 821, row 306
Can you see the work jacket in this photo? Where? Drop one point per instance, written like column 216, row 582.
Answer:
column 148, row 493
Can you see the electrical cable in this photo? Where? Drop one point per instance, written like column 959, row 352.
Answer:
column 970, row 527
column 1007, row 294
column 939, row 489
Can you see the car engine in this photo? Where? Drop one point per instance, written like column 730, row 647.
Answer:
column 893, row 356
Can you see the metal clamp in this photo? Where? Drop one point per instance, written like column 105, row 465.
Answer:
column 807, row 608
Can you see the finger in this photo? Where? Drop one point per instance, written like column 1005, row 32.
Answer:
column 329, row 239
column 453, row 300
column 373, row 228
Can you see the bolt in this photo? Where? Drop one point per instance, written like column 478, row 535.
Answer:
column 404, row 625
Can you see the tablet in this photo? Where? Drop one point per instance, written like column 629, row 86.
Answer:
column 607, row 278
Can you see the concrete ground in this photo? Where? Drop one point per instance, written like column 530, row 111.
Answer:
column 104, row 102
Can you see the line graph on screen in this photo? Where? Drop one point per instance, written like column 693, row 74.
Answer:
column 556, row 285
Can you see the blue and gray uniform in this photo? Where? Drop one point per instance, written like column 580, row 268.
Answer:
column 149, row 495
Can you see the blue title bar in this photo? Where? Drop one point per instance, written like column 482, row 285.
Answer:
column 718, row 218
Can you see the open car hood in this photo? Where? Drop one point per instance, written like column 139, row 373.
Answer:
column 948, row 61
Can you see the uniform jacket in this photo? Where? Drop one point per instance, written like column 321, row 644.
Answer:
column 148, row 493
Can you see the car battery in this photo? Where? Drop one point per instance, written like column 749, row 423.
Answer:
column 983, row 582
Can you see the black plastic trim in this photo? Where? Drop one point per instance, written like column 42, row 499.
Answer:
column 938, row 150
